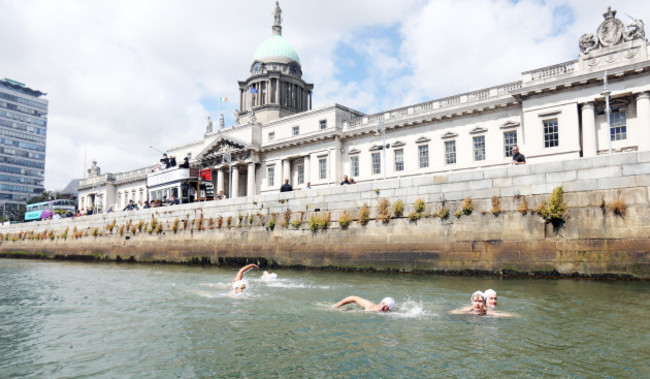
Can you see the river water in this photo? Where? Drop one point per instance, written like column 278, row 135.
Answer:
column 73, row 320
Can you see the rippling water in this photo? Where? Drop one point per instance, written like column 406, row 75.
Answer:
column 107, row 320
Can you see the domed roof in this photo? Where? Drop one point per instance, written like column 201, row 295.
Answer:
column 276, row 46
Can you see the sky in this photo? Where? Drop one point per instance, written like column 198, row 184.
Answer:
column 127, row 78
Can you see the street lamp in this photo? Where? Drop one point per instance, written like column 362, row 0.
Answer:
column 606, row 93
column 381, row 128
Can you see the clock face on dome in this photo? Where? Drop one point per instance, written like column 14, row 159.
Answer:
column 256, row 67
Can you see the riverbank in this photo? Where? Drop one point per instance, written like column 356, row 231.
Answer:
column 486, row 222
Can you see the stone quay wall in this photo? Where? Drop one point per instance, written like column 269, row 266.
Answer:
column 605, row 232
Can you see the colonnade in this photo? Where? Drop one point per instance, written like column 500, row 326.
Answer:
column 222, row 172
column 589, row 130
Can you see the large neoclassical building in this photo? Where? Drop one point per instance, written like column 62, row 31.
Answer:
column 552, row 113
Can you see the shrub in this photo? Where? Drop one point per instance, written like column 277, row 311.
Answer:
column 240, row 217
column 159, row 228
column 443, row 212
column 458, row 213
column 251, row 218
column 121, row 230
column 111, row 226
column 618, row 207
column 557, row 208
column 219, row 222
column 95, row 232
column 414, row 216
column 420, row 205
column 199, row 223
column 175, row 225
column 211, row 223
column 383, row 211
column 296, row 223
column 140, row 226
column 364, row 215
column 398, row 208
column 271, row 224
column 345, row 220
column 153, row 222
column 467, row 206
column 496, row 206
column 319, row 222
column 287, row 217
column 65, row 234
column 523, row 206
column 185, row 224
column 228, row 222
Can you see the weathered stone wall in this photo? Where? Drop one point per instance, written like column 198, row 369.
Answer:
column 593, row 240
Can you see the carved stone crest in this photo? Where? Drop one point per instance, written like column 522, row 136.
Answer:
column 610, row 31
column 587, row 43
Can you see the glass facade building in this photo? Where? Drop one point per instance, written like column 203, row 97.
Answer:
column 23, row 131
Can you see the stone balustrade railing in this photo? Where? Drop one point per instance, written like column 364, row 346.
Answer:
column 550, row 72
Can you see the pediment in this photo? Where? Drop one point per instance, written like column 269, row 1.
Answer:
column 510, row 124
column 375, row 148
column 398, row 144
column 422, row 140
column 449, row 135
column 478, row 130
column 354, row 150
column 220, row 146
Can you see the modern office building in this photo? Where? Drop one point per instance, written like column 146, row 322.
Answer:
column 595, row 105
column 23, row 131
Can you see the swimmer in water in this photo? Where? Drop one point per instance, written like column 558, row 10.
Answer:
column 268, row 277
column 478, row 305
column 491, row 296
column 239, row 284
column 386, row 305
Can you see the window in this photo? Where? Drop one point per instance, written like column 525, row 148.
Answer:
column 270, row 176
column 271, row 136
column 354, row 166
column 322, row 168
column 376, row 163
column 301, row 173
column 399, row 160
column 509, row 141
column 296, row 130
column 423, row 155
column 479, row 148
column 618, row 129
column 551, row 138
column 323, row 124
column 450, row 152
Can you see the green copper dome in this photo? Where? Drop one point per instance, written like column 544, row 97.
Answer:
column 276, row 46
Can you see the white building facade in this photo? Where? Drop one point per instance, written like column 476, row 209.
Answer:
column 552, row 113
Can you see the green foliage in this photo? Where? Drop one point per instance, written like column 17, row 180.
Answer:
column 414, row 216
column 319, row 221
column 271, row 224
column 398, row 208
column 110, row 227
column 523, row 206
column 443, row 212
column 251, row 218
column 95, row 232
column 229, row 222
column 496, row 206
column 287, row 217
column 345, row 220
column 364, row 215
column 296, row 223
column 175, row 225
column 159, row 228
column 420, row 205
column 555, row 209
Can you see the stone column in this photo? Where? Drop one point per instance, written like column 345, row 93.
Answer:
column 643, row 117
column 219, row 179
column 307, row 165
column 250, row 190
column 589, row 141
column 235, row 181
column 286, row 171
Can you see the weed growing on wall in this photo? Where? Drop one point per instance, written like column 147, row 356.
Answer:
column 345, row 220
column 383, row 211
column 496, row 206
column 618, row 207
column 468, row 207
column 319, row 221
column 175, row 225
column 523, row 206
column 420, row 206
column 398, row 208
column 271, row 224
column 364, row 215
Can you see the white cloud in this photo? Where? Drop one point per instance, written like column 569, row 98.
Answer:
column 123, row 75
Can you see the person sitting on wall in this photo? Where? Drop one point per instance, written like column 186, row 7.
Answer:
column 517, row 157
column 352, row 181
column 185, row 164
column 164, row 162
column 286, row 187
column 308, row 186
column 146, row 205
column 386, row 305
column 239, row 284
column 174, row 201
column 345, row 180
column 172, row 161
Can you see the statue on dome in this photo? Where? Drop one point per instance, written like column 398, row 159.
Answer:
column 277, row 14
column 235, row 113
column 208, row 128
column 222, row 122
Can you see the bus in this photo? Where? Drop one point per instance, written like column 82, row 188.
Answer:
column 40, row 211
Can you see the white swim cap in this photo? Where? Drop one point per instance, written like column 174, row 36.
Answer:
column 478, row 293
column 239, row 284
column 271, row 276
column 490, row 292
column 390, row 302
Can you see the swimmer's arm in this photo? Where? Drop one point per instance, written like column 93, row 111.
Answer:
column 461, row 311
column 365, row 304
column 241, row 272
column 499, row 314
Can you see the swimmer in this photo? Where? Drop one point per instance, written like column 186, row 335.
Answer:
column 239, row 284
column 491, row 296
column 386, row 305
column 268, row 277
column 478, row 305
